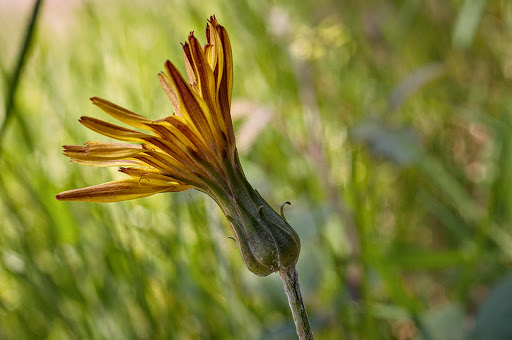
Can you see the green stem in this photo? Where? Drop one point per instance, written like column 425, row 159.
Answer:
column 290, row 279
column 9, row 103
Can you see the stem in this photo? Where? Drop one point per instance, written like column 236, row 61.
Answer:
column 13, row 84
column 290, row 279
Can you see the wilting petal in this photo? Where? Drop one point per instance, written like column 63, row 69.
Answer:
column 224, row 94
column 194, row 108
column 118, row 132
column 122, row 114
column 188, row 147
column 112, row 130
column 204, row 72
column 109, row 163
column 159, row 161
column 189, row 67
column 102, row 150
column 179, row 127
column 210, row 51
column 207, row 89
column 170, row 90
column 214, row 51
column 155, row 177
column 117, row 191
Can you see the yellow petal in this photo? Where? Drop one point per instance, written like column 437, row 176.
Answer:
column 118, row 132
column 161, row 161
column 207, row 89
column 194, row 109
column 116, row 191
column 109, row 163
column 189, row 67
column 158, row 160
column 102, row 150
column 170, row 90
column 112, row 130
column 214, row 51
column 154, row 177
column 203, row 70
column 225, row 88
column 122, row 114
column 178, row 127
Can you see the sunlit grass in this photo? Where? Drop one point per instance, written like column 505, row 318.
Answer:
column 391, row 248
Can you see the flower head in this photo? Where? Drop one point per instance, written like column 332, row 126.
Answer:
column 193, row 148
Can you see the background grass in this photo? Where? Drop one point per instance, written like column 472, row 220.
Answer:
column 386, row 123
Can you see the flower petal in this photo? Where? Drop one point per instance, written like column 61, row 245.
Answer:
column 109, row 163
column 112, row 130
column 179, row 128
column 214, row 51
column 203, row 70
column 191, row 71
column 117, row 191
column 207, row 89
column 225, row 88
column 170, row 90
column 193, row 108
column 118, row 132
column 168, row 165
column 122, row 114
column 152, row 176
column 102, row 150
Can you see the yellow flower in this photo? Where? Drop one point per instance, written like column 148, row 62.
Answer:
column 193, row 148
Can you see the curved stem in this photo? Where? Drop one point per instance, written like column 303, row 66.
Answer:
column 290, row 279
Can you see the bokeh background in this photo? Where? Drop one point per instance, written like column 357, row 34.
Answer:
column 387, row 124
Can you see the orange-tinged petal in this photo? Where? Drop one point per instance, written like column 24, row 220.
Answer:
column 214, row 51
column 161, row 161
column 109, row 163
column 210, row 51
column 185, row 150
column 203, row 70
column 189, row 66
column 193, row 108
column 225, row 88
column 122, row 114
column 118, row 132
column 170, row 90
column 102, row 150
column 207, row 89
column 112, row 130
column 228, row 62
column 183, row 131
column 152, row 176
column 157, row 161
column 117, row 191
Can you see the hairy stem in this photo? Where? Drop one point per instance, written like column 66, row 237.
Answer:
column 290, row 279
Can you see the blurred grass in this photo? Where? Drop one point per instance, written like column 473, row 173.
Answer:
column 389, row 130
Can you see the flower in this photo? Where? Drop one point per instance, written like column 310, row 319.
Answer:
column 193, row 148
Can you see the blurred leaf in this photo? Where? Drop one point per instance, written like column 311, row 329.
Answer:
column 445, row 322
column 448, row 185
column 467, row 22
column 413, row 259
column 399, row 145
column 495, row 316
column 414, row 82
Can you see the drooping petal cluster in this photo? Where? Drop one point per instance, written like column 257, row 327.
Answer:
column 193, row 148
column 188, row 149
